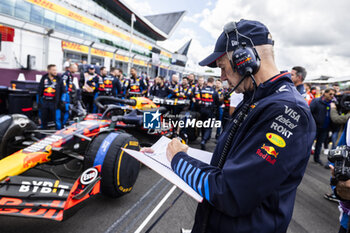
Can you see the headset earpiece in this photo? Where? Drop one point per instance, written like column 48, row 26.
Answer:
column 246, row 60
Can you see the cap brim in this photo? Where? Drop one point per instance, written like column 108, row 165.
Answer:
column 211, row 59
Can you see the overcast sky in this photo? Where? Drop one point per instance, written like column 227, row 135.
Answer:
column 313, row 34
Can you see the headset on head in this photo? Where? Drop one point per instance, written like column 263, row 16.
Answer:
column 245, row 59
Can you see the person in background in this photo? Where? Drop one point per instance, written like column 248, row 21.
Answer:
column 145, row 83
column 88, row 86
column 113, row 86
column 226, row 111
column 309, row 95
column 321, row 111
column 134, row 86
column 313, row 92
column 99, row 89
column 66, row 64
column 337, row 118
column 160, row 88
column 120, row 76
column 174, row 87
column 340, row 120
column 191, row 81
column 298, row 75
column 196, row 98
column 82, row 67
column 336, row 87
column 208, row 100
column 341, row 189
column 318, row 92
column 50, row 89
column 219, row 108
column 66, row 96
column 185, row 89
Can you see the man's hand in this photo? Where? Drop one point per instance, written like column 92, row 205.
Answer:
column 333, row 105
column 174, row 147
column 147, row 150
column 343, row 189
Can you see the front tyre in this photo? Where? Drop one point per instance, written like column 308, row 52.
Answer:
column 119, row 170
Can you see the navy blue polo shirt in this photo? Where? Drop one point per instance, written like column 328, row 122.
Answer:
column 255, row 190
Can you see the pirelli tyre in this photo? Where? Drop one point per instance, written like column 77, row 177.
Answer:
column 119, row 170
column 13, row 132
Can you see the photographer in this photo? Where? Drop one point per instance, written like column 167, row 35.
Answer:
column 340, row 181
column 339, row 119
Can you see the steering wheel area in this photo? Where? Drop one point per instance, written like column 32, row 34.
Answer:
column 107, row 104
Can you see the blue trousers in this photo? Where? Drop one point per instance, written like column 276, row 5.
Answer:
column 47, row 113
column 62, row 117
column 321, row 136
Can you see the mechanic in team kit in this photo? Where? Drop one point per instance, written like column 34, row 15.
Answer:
column 99, row 85
column 62, row 114
column 185, row 89
column 259, row 161
column 219, row 108
column 50, row 88
column 113, row 86
column 88, row 86
column 208, row 101
column 160, row 88
column 191, row 81
column 108, row 85
column 135, row 86
column 226, row 109
column 196, row 98
column 174, row 87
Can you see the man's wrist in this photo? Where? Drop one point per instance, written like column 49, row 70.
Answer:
column 177, row 158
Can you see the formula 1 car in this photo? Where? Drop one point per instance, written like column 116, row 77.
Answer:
column 37, row 178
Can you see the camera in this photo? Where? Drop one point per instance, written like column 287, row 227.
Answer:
column 343, row 103
column 341, row 159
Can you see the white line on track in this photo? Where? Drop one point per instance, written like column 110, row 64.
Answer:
column 150, row 216
column 110, row 229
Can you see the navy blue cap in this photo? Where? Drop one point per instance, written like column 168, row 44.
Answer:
column 91, row 67
column 256, row 31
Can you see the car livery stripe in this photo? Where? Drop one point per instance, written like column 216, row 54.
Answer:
column 102, row 151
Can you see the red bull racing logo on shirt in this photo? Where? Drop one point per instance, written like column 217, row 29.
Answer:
column 270, row 154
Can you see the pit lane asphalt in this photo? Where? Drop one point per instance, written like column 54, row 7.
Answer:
column 312, row 213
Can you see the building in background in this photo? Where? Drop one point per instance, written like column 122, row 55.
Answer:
column 36, row 33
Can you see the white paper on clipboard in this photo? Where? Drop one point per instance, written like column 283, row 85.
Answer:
column 160, row 164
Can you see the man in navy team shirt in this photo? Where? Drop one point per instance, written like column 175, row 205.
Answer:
column 254, row 190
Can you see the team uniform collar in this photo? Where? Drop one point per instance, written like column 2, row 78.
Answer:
column 270, row 86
